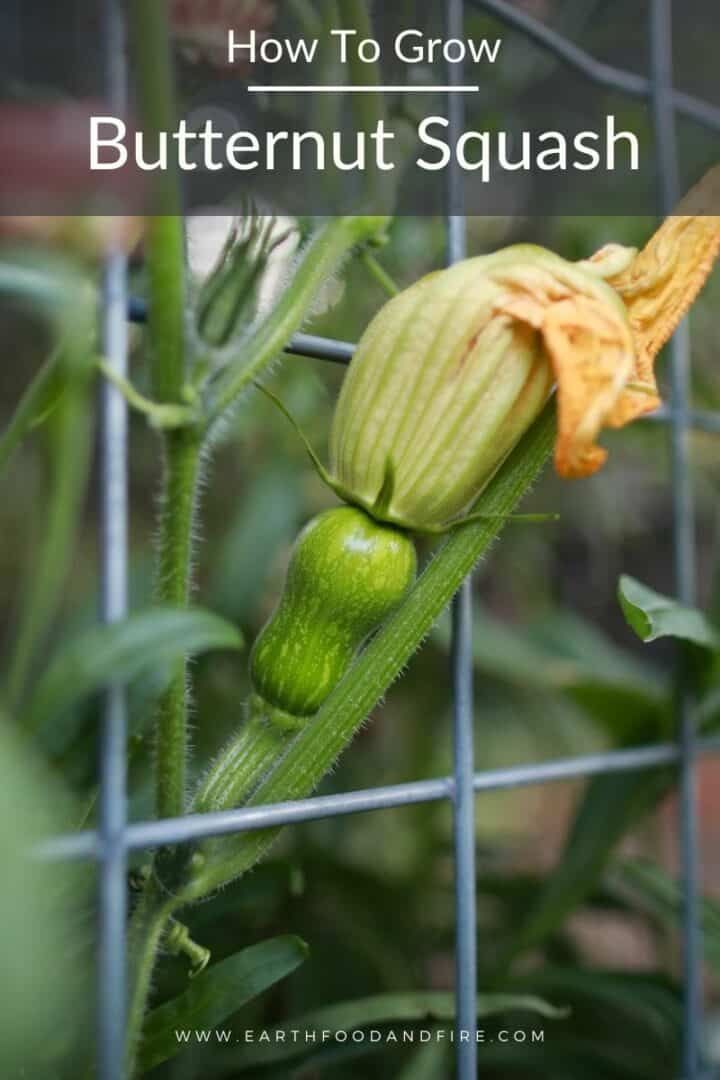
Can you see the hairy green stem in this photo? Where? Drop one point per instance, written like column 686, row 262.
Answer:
column 164, row 239
column 165, row 261
column 147, row 927
column 242, row 764
column 316, row 748
column 182, row 465
column 153, row 64
column 239, row 769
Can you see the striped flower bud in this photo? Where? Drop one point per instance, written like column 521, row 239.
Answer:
column 453, row 371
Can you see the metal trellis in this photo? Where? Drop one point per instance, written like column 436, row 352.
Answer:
column 114, row 838
column 113, row 607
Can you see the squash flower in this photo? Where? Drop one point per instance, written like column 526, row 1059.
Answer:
column 452, row 371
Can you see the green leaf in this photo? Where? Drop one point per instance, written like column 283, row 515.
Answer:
column 646, row 887
column 54, row 288
column 38, row 400
column 645, row 1006
column 429, row 1063
column 559, row 652
column 50, row 285
column 46, row 912
column 651, row 998
column 69, row 444
column 652, row 615
column 564, row 654
column 611, row 805
column 121, row 652
column 426, row 1007
column 216, row 994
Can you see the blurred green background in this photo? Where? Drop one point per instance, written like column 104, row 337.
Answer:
column 558, row 673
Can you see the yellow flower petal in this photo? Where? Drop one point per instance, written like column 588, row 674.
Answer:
column 605, row 377
column 589, row 345
column 661, row 284
column 452, row 371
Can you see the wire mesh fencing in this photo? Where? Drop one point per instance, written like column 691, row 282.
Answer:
column 115, row 837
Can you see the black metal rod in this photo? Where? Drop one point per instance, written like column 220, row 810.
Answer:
column 595, row 70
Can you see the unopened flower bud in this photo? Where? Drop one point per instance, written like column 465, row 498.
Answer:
column 452, row 372
column 230, row 296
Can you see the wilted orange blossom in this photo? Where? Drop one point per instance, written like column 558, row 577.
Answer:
column 453, row 370
column 657, row 287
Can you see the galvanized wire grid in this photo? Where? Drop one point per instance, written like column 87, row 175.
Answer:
column 115, row 838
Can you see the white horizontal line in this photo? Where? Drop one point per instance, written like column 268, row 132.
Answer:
column 304, row 89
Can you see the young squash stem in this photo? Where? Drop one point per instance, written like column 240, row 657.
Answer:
column 243, row 763
column 183, row 449
column 302, row 762
column 317, row 746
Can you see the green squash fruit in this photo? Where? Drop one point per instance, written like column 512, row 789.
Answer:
column 347, row 573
